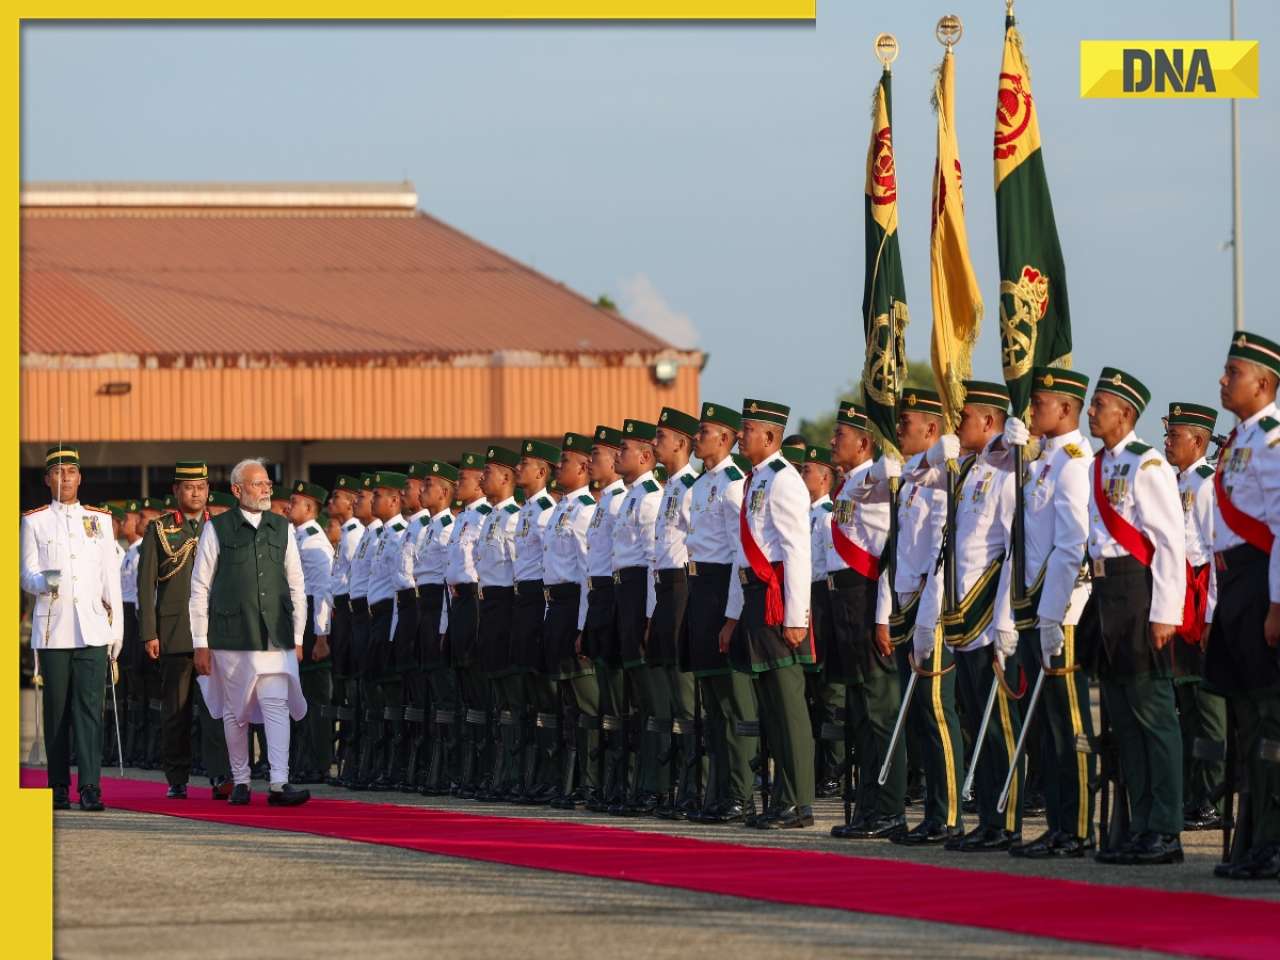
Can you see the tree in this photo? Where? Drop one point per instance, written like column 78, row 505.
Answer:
column 818, row 431
column 605, row 302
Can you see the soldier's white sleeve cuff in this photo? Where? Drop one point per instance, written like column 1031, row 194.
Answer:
column 199, row 643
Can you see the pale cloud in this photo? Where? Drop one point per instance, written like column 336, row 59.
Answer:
column 642, row 303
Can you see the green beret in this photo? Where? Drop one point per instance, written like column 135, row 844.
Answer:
column 638, row 430
column 794, row 455
column 672, row 419
column 280, row 492
column 1125, row 386
column 853, row 415
column 607, row 437
column 445, row 471
column 389, row 480
column 742, row 463
column 503, row 457
column 921, row 401
column 366, row 481
column 1256, row 349
column 61, row 454
column 577, row 443
column 155, row 503
column 346, row 481
column 313, row 490
column 541, row 451
column 170, row 502
column 1192, row 415
column 1069, row 383
column 416, row 470
column 117, row 512
column 135, row 506
column 718, row 413
column 190, row 470
column 218, row 498
column 765, row 411
column 471, row 461
column 986, row 393
column 816, row 454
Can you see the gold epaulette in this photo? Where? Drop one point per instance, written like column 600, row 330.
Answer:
column 1073, row 451
column 96, row 509
column 1149, row 463
column 36, row 510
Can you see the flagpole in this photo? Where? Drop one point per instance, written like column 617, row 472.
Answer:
column 1018, row 529
column 1237, row 240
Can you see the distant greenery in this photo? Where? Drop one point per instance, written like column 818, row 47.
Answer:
column 605, row 302
column 819, row 430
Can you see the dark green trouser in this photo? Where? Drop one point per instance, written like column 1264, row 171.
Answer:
column 1146, row 728
column 646, row 691
column 827, row 698
column 315, row 752
column 1257, row 719
column 658, row 705
column 74, row 682
column 786, row 716
column 680, row 695
column 510, row 696
column 974, row 678
column 585, row 691
column 873, row 707
column 543, row 694
column 731, row 699
column 933, row 709
column 912, row 733
column 1064, row 714
column 1202, row 716
column 443, row 684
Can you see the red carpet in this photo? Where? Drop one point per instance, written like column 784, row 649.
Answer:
column 1189, row 924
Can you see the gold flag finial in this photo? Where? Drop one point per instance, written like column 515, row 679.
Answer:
column 886, row 47
column 949, row 30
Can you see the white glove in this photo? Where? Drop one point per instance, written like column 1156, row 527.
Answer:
column 922, row 641
column 1016, row 433
column 114, row 648
column 1006, row 645
column 947, row 448
column 1052, row 639
column 886, row 468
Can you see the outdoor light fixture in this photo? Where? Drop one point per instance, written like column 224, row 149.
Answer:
column 114, row 388
column 664, row 371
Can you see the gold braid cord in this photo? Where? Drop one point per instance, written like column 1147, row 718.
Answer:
column 176, row 559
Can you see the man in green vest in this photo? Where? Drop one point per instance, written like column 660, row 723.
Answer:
column 164, row 586
column 248, row 614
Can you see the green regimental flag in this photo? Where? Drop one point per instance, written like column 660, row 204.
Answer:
column 884, row 295
column 1035, row 321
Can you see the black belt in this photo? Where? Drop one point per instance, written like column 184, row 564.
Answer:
column 528, row 588
column 359, row 604
column 630, row 574
column 844, row 579
column 747, row 577
column 599, row 583
column 563, row 591
column 406, row 596
column 380, row 606
column 671, row 575
column 466, row 589
column 1245, row 555
column 1114, row 566
column 699, row 567
column 430, row 589
column 342, row 601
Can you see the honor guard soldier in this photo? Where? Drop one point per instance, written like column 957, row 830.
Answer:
column 495, row 565
column 132, row 655
column 313, row 754
column 857, row 655
column 564, row 574
column 402, row 768
column 148, row 670
column 826, row 695
column 1137, row 552
column 464, row 618
column 219, row 503
column 633, row 551
column 1240, row 659
column 670, row 678
column 385, row 703
column 978, row 630
column 164, row 592
column 1202, row 713
column 342, row 506
column 1056, row 505
column 355, row 775
column 769, row 606
column 440, row 698
column 541, row 779
column 69, row 564
column 715, row 510
column 599, row 636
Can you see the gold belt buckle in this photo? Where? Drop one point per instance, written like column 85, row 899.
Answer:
column 1099, row 568
column 617, row 577
column 479, row 592
column 693, row 568
column 831, row 581
column 546, row 594
column 742, row 576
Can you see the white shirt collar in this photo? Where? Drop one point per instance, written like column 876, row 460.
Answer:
column 253, row 519
column 1127, row 439
column 1268, row 411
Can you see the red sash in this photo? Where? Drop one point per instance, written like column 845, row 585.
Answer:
column 1121, row 530
column 1249, row 529
column 1196, row 603
column 768, row 573
column 853, row 555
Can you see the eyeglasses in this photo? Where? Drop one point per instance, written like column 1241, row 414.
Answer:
column 259, row 484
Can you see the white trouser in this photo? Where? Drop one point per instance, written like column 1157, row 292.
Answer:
column 273, row 699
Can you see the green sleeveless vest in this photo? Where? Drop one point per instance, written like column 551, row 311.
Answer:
column 249, row 603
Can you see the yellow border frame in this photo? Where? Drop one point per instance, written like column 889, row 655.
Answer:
column 27, row 899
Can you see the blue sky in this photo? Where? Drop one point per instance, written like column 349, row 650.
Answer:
column 707, row 177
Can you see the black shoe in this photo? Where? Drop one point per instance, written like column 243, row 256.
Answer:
column 872, row 828
column 239, row 795
column 1153, row 848
column 668, row 811
column 1202, row 818
column 928, row 832
column 1119, row 852
column 1260, row 864
column 791, row 818
column 956, row 842
column 91, row 799
column 563, row 803
column 287, row 796
column 62, row 798
column 988, row 840
column 221, row 787
column 1041, row 848
column 731, row 811
column 177, row 791
column 1072, row 846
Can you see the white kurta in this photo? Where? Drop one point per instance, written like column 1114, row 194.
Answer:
column 231, row 686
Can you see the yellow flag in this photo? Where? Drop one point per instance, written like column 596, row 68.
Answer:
column 957, row 300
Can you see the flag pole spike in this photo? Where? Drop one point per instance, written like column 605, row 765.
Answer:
column 949, row 30
column 886, row 48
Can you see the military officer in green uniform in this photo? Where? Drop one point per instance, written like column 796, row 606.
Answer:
column 164, row 586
